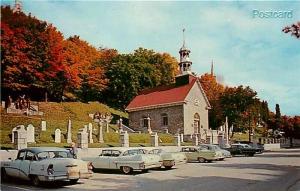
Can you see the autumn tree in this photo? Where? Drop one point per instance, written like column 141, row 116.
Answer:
column 87, row 78
column 294, row 29
column 30, row 51
column 213, row 91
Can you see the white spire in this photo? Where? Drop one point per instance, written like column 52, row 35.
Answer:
column 185, row 63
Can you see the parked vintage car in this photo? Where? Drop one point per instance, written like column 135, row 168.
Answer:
column 219, row 153
column 257, row 146
column 241, row 149
column 226, row 153
column 125, row 159
column 46, row 164
column 169, row 158
column 194, row 153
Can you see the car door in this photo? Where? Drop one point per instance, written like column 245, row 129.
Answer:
column 24, row 166
column 193, row 153
column 102, row 161
column 113, row 158
column 13, row 168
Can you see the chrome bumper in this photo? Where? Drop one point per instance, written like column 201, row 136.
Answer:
column 68, row 176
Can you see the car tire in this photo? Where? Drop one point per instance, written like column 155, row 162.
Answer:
column 201, row 159
column 3, row 175
column 74, row 181
column 35, row 180
column 126, row 169
column 145, row 170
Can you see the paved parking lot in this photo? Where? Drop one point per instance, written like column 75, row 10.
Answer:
column 276, row 171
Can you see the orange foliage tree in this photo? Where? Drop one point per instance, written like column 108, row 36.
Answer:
column 213, row 91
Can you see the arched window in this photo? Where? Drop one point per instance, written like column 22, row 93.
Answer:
column 196, row 123
column 164, row 119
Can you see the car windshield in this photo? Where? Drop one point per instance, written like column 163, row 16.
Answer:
column 216, row 147
column 53, row 154
column 247, row 146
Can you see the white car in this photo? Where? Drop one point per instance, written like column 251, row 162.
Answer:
column 47, row 164
column 219, row 154
column 169, row 158
column 125, row 159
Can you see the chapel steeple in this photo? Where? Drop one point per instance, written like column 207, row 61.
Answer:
column 185, row 63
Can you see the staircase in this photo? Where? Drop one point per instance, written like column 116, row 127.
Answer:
column 129, row 130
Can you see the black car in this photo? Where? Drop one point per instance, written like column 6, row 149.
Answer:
column 257, row 146
column 241, row 149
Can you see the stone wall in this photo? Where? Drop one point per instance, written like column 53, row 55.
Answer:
column 175, row 118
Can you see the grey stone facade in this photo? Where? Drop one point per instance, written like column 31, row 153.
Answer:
column 174, row 113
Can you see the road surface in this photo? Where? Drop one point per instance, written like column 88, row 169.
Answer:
column 276, row 171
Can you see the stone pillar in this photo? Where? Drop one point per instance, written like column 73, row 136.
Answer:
column 149, row 124
column 44, row 125
column 82, row 138
column 57, row 136
column 124, row 139
column 100, row 132
column 181, row 137
column 69, row 131
column 30, row 134
column 226, row 136
column 107, row 126
column 195, row 140
column 90, row 131
column 208, row 139
column 20, row 138
column 221, row 140
column 154, row 140
column 177, row 140
column 108, row 119
column 121, row 125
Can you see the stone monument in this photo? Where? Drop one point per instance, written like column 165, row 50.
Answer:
column 69, row 131
column 44, row 125
column 177, row 140
column 90, row 131
column 100, row 132
column 154, row 140
column 124, row 139
column 57, row 136
column 82, row 138
column 30, row 134
column 20, row 138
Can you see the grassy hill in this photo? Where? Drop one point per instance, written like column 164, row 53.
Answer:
column 56, row 115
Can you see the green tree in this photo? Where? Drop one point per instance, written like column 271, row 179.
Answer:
column 235, row 101
column 278, row 120
column 128, row 74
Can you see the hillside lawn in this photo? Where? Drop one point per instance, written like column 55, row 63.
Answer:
column 57, row 115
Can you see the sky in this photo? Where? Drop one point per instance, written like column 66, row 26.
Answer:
column 246, row 49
